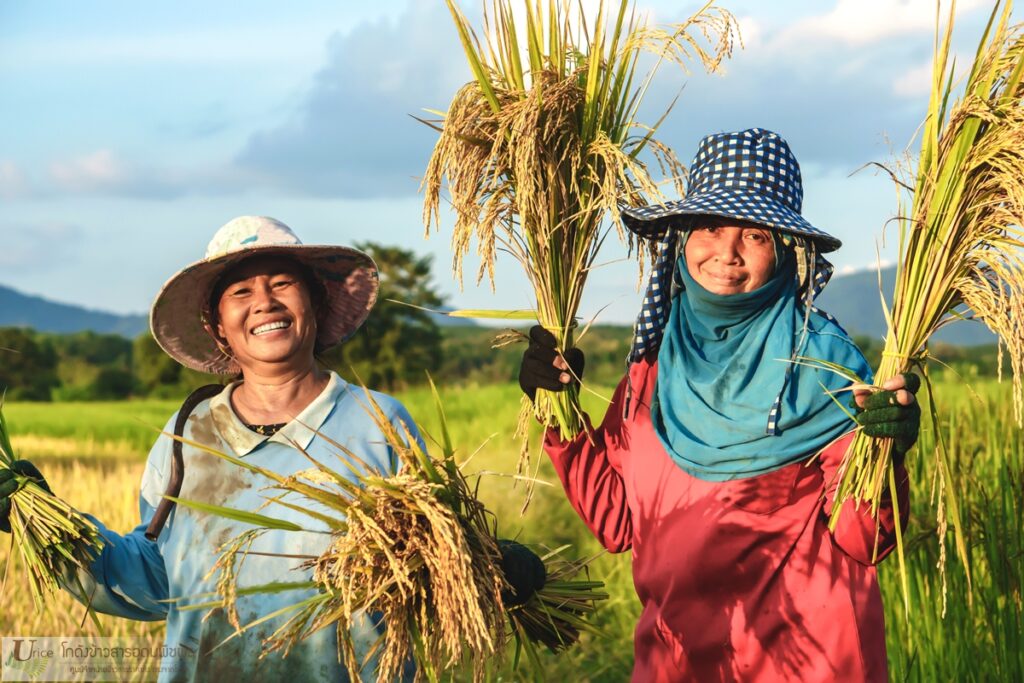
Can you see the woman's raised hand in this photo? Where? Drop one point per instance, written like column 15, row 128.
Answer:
column 893, row 412
column 543, row 367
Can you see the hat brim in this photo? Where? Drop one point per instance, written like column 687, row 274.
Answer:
column 651, row 222
column 349, row 277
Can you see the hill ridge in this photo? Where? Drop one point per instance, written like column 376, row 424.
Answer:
column 851, row 297
column 18, row 309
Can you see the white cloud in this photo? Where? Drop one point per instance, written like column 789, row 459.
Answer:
column 349, row 135
column 914, row 82
column 104, row 172
column 862, row 22
column 94, row 172
column 752, row 31
column 352, row 135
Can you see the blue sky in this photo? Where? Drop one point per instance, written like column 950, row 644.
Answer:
column 132, row 131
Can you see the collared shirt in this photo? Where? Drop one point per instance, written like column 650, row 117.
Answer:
column 140, row 579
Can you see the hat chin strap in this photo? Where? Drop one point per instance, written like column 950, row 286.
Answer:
column 222, row 346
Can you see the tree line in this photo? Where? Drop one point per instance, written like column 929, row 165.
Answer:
column 389, row 353
column 396, row 348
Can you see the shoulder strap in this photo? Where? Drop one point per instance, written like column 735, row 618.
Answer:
column 163, row 510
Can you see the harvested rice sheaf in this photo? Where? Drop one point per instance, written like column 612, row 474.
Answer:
column 545, row 144
column 408, row 555
column 416, row 547
column 53, row 540
column 960, row 249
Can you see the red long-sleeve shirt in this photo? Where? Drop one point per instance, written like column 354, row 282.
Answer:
column 739, row 580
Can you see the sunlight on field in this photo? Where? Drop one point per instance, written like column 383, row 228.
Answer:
column 132, row 425
column 93, row 456
column 41, row 446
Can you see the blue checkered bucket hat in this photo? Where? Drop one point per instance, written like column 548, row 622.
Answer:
column 751, row 175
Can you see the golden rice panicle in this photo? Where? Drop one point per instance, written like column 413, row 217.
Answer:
column 960, row 245
column 232, row 555
column 544, row 144
column 408, row 555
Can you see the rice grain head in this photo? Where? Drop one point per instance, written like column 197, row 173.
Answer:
column 544, row 144
column 960, row 246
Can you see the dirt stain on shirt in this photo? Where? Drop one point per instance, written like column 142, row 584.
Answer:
column 224, row 425
column 210, row 479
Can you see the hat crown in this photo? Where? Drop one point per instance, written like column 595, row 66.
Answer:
column 246, row 232
column 756, row 160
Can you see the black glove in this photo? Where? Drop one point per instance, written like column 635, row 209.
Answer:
column 883, row 417
column 538, row 371
column 524, row 571
column 9, row 484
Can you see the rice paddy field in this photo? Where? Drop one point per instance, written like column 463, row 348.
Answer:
column 92, row 454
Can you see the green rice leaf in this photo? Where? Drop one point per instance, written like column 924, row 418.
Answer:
column 243, row 516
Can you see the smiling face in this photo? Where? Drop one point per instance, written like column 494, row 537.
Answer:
column 265, row 314
column 729, row 256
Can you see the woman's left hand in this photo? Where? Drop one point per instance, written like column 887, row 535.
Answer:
column 893, row 412
column 524, row 572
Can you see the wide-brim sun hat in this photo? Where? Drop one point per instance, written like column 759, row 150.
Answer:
column 179, row 316
column 749, row 175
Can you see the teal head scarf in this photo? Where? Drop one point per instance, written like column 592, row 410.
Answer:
column 725, row 359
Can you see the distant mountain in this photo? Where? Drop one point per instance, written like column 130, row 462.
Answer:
column 855, row 301
column 25, row 310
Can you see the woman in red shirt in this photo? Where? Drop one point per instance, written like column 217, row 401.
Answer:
column 716, row 462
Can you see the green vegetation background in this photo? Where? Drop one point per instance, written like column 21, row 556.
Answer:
column 86, row 408
column 86, row 366
column 392, row 351
column 980, row 636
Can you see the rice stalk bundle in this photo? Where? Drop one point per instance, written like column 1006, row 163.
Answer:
column 54, row 541
column 959, row 243
column 416, row 547
column 545, row 143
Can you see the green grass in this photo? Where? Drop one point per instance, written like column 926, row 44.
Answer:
column 983, row 640
column 133, row 422
column 981, row 636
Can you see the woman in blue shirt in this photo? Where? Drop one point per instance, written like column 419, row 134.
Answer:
column 257, row 307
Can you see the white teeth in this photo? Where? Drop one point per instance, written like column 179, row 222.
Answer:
column 269, row 327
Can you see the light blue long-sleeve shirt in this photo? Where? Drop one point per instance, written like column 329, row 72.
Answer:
column 140, row 579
